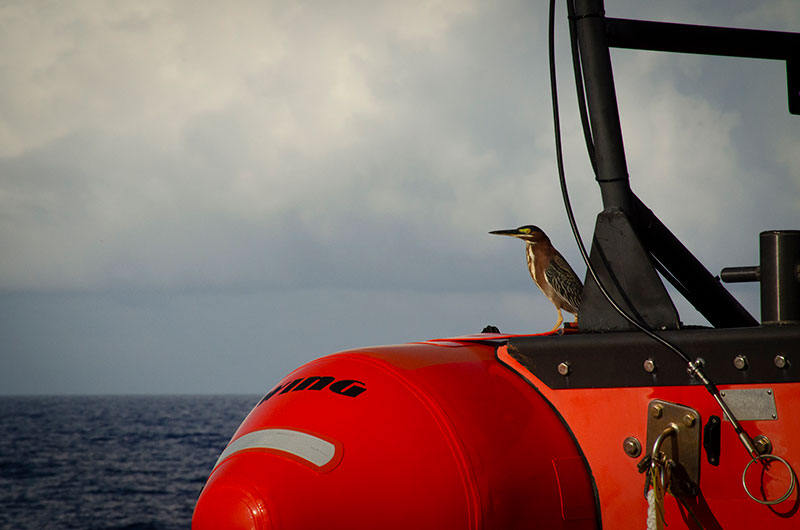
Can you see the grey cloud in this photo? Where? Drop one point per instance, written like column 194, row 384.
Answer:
column 193, row 180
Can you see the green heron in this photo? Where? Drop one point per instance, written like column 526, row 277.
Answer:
column 549, row 270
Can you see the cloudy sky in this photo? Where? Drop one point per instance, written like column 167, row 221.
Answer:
column 198, row 197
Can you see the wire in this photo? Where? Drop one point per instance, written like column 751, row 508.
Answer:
column 565, row 193
column 576, row 67
column 694, row 367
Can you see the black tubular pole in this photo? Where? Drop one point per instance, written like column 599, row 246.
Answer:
column 612, row 170
column 705, row 40
column 740, row 274
column 595, row 34
column 710, row 40
column 780, row 277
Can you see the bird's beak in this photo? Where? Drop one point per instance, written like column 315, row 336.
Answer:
column 513, row 232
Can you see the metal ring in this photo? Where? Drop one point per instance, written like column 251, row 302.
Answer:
column 791, row 483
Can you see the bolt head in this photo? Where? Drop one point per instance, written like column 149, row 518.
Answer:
column 689, row 419
column 563, row 368
column 656, row 410
column 781, row 361
column 762, row 444
column 740, row 362
column 649, row 366
column 632, row 446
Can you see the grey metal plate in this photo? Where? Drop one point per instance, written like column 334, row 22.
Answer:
column 750, row 403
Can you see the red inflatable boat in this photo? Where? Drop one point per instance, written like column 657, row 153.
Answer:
column 631, row 421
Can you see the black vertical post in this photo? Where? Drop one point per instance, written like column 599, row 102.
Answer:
column 653, row 244
column 780, row 277
column 612, row 170
column 793, row 83
column 617, row 255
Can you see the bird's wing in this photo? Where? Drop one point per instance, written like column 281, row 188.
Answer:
column 564, row 281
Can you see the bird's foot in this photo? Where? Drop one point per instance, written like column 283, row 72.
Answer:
column 558, row 323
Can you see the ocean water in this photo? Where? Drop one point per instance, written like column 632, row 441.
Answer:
column 113, row 462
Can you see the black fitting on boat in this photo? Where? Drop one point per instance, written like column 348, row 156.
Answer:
column 740, row 274
column 779, row 275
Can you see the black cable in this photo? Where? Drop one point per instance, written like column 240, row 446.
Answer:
column 587, row 130
column 695, row 367
column 568, row 205
column 576, row 67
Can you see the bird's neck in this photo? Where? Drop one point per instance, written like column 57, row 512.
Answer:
column 532, row 252
column 534, row 249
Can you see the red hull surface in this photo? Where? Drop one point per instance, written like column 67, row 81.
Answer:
column 429, row 435
column 457, row 434
column 602, row 418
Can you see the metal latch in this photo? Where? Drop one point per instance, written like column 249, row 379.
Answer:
column 673, row 435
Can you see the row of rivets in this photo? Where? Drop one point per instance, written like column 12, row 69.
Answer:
column 740, row 362
column 633, row 447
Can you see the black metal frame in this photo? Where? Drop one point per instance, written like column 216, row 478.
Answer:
column 710, row 40
column 618, row 359
column 630, row 244
column 627, row 227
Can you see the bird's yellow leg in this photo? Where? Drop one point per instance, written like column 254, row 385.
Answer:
column 560, row 320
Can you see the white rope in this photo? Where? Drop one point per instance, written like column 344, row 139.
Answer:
column 652, row 523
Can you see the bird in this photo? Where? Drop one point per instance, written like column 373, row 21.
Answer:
column 549, row 270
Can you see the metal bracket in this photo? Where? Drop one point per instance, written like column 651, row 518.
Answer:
column 682, row 445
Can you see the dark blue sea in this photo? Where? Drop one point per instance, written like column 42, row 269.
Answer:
column 110, row 462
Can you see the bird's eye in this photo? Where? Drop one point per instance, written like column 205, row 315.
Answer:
column 525, row 230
